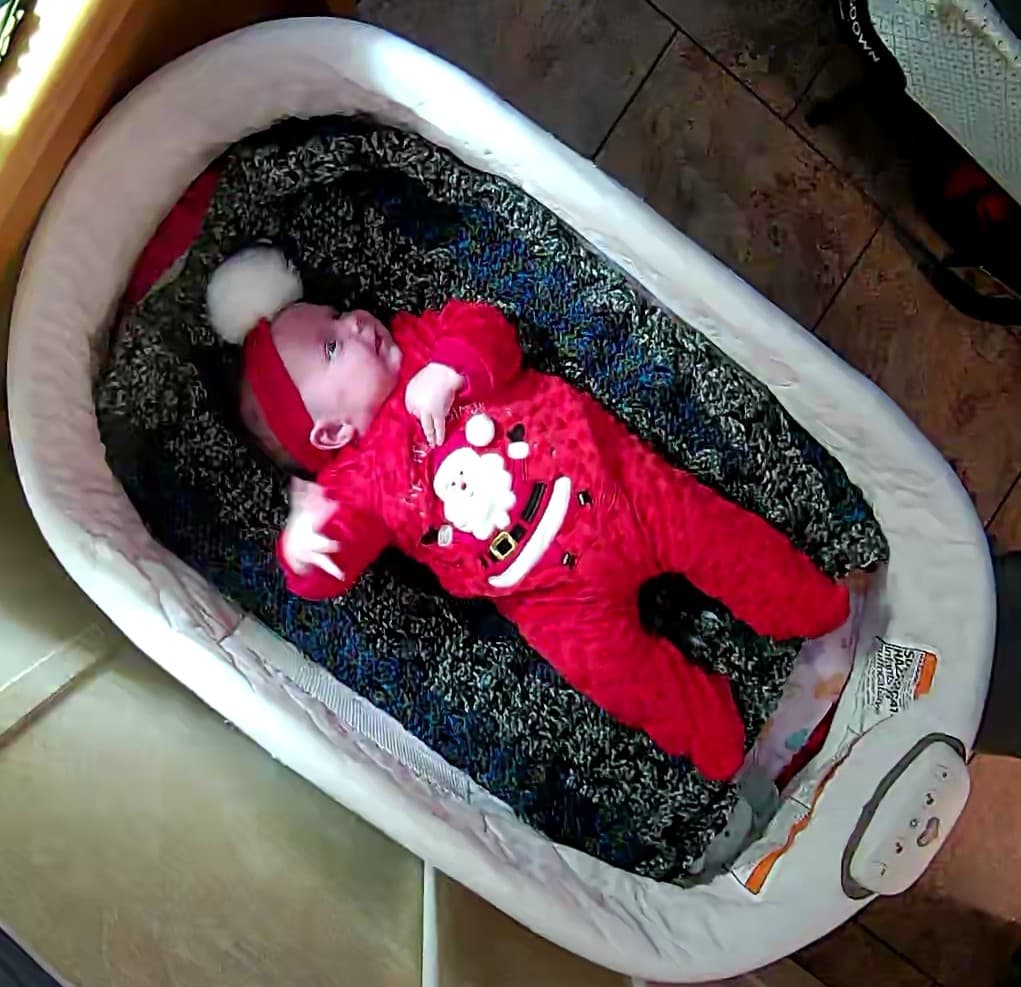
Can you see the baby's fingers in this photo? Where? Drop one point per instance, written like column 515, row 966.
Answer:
column 327, row 565
column 439, row 429
column 428, row 428
column 320, row 544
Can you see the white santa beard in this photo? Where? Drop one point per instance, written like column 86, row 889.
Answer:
column 482, row 506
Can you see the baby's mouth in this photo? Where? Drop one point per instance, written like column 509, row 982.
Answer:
column 379, row 341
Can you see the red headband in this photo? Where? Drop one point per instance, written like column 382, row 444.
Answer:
column 279, row 399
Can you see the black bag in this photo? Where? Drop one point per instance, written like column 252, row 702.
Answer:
column 856, row 26
column 981, row 273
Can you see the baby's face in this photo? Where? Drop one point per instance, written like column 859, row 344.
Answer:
column 344, row 366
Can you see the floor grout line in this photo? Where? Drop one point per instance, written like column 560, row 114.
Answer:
column 705, row 51
column 827, row 58
column 1015, row 484
column 631, row 99
column 847, row 275
column 784, row 118
column 883, row 214
column 896, row 952
column 886, row 212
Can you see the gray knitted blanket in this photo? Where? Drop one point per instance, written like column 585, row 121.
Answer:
column 380, row 219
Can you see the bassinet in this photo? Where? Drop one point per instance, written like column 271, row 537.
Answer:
column 936, row 594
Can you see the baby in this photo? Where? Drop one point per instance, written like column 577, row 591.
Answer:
column 509, row 484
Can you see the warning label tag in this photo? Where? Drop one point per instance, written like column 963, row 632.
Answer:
column 894, row 677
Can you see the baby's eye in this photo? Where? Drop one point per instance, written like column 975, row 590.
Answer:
column 330, row 348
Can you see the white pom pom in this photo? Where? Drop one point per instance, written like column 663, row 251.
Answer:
column 479, row 430
column 254, row 284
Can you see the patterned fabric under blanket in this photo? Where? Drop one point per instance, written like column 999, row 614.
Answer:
column 384, row 220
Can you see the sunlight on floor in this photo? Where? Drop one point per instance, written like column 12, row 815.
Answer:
column 48, row 40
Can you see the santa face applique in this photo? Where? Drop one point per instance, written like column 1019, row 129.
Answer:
column 474, row 479
column 475, row 491
column 483, row 484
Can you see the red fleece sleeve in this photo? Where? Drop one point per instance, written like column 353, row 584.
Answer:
column 174, row 236
column 311, row 585
column 478, row 342
column 355, row 526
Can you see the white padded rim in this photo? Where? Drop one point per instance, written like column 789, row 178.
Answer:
column 127, row 175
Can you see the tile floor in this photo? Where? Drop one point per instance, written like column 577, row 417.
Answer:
column 700, row 107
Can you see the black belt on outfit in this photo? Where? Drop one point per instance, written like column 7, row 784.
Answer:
column 505, row 543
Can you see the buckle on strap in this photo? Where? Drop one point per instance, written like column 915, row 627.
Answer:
column 503, row 546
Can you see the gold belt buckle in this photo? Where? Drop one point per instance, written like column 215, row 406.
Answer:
column 503, row 546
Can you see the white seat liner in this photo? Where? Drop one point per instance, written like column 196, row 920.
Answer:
column 128, row 174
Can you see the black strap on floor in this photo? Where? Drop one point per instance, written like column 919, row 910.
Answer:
column 1000, row 732
column 1010, row 11
column 18, row 969
column 856, row 26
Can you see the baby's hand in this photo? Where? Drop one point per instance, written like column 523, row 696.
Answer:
column 429, row 396
column 303, row 545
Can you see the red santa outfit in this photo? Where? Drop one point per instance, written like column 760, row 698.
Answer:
column 541, row 501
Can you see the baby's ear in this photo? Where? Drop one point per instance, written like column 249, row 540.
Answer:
column 331, row 435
